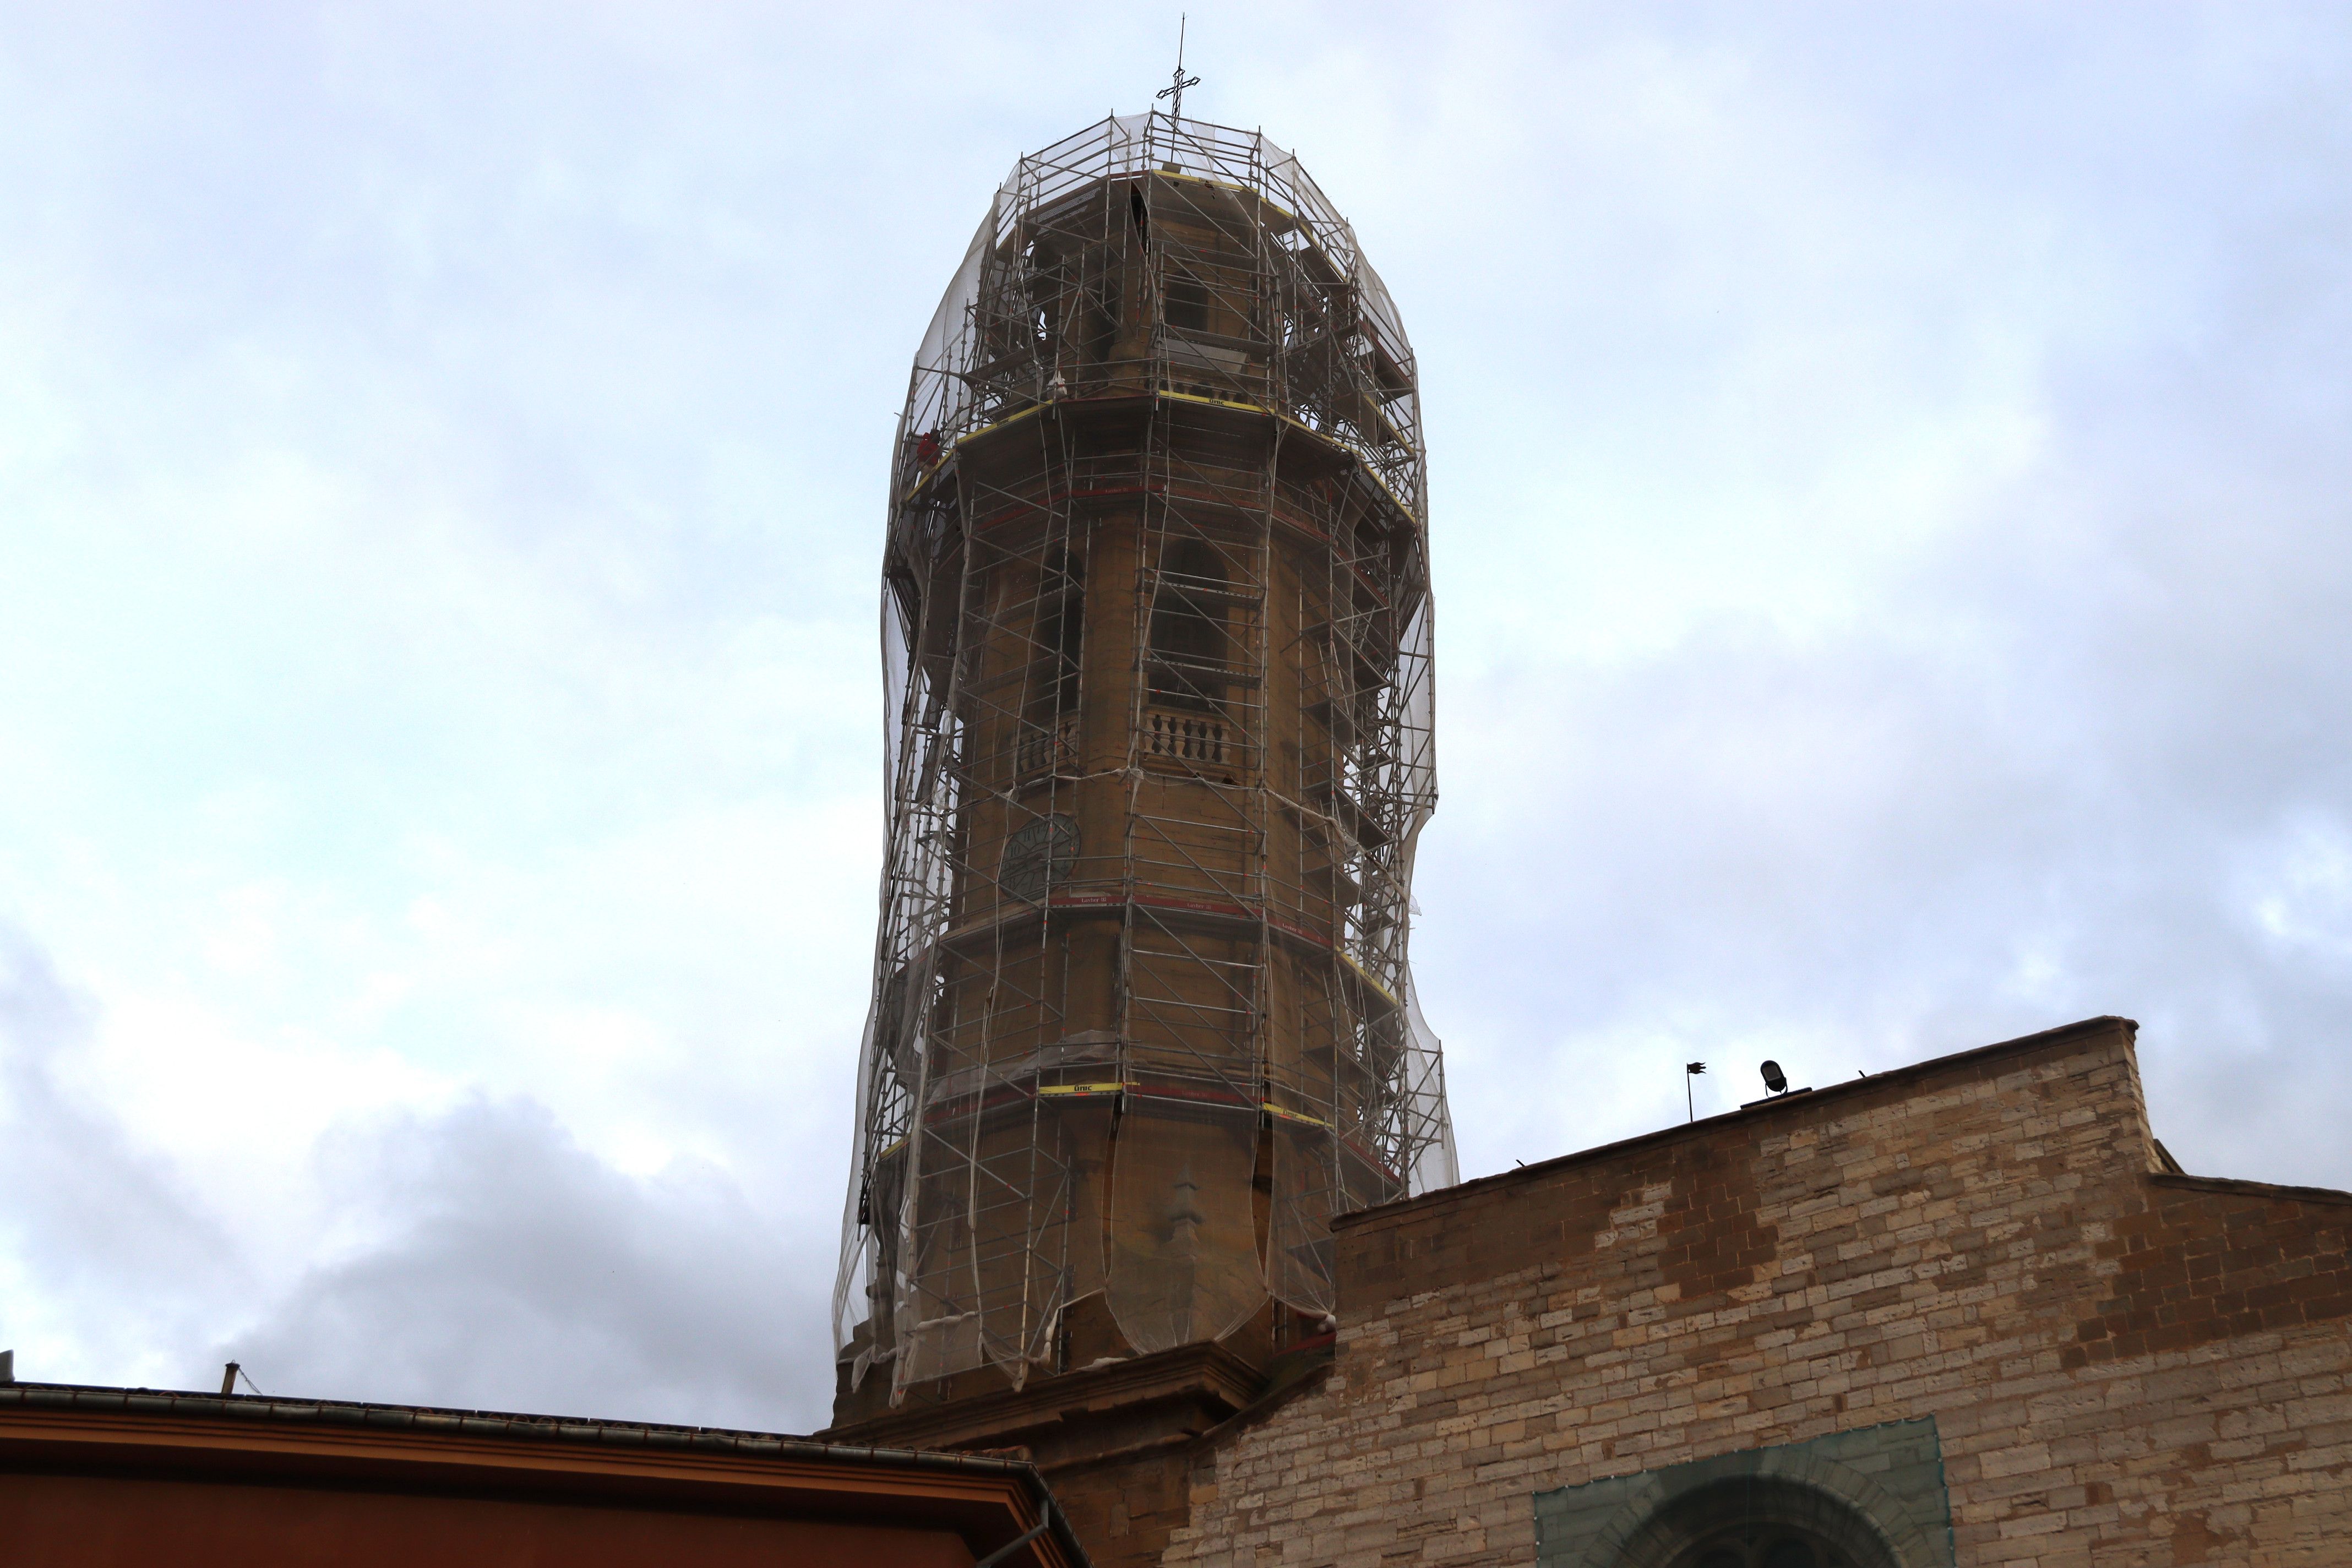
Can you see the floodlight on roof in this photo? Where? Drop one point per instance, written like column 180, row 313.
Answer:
column 1774, row 1078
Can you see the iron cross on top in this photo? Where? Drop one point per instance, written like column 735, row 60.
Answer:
column 1174, row 90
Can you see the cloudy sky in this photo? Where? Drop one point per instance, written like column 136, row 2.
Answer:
column 1892, row 476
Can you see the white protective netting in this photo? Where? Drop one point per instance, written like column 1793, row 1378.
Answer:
column 991, row 1184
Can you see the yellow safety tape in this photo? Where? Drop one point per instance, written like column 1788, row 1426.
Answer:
column 1366, row 976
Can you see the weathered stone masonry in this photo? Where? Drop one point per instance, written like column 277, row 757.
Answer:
column 2122, row 1365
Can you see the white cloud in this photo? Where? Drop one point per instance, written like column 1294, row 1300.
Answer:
column 1888, row 480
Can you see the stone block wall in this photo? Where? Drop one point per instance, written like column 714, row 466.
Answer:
column 2122, row 1366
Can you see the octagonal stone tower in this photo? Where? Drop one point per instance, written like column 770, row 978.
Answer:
column 1157, row 640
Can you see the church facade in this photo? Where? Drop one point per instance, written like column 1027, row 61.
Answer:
column 1965, row 1313
column 1154, row 1185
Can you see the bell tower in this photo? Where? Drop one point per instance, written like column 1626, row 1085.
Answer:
column 1157, row 647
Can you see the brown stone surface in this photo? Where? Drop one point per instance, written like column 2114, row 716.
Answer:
column 1116, row 1442
column 2124, row 1366
column 1125, row 1510
column 1149, row 1401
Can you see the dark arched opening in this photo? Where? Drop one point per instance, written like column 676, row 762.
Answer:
column 1190, row 646
column 1758, row 1521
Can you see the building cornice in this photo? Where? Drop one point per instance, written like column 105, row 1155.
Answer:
column 1796, row 1106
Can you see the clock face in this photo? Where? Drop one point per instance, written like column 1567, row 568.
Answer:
column 1038, row 855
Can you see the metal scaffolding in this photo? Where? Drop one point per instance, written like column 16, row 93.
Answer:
column 1156, row 637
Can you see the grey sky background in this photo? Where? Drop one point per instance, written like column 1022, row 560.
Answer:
column 1891, row 473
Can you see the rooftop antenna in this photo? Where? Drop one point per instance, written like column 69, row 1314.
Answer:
column 1174, row 90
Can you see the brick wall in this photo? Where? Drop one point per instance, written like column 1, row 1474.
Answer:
column 2123, row 1367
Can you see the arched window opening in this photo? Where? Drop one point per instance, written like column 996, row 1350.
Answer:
column 1104, row 303
column 1190, row 645
column 1765, row 1545
column 1185, row 301
column 1060, row 635
column 1758, row 1522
